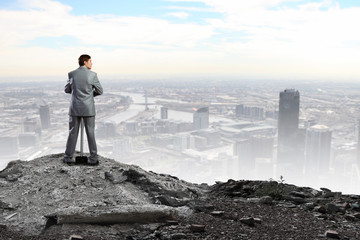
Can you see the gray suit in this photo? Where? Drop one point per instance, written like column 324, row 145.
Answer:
column 83, row 85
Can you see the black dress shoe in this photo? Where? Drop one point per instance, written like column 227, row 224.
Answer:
column 68, row 161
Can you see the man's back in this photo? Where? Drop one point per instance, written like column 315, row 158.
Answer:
column 84, row 85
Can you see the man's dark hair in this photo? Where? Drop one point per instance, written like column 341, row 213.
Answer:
column 83, row 58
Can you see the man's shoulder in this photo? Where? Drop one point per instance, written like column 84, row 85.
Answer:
column 73, row 71
column 82, row 69
column 91, row 73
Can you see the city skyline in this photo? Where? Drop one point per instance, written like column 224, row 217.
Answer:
column 238, row 139
column 272, row 39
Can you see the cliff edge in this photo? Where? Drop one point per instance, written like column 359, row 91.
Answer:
column 38, row 196
column 47, row 199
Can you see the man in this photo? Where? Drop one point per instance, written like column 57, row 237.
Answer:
column 83, row 85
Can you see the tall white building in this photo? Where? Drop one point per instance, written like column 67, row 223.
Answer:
column 184, row 141
column 45, row 116
column 317, row 149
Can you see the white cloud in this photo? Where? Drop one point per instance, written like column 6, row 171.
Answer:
column 47, row 5
column 178, row 14
column 253, row 38
column 54, row 19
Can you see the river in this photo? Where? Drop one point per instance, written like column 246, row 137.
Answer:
column 138, row 106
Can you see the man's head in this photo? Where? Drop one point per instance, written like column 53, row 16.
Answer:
column 85, row 60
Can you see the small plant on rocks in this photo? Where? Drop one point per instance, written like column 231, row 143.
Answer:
column 271, row 188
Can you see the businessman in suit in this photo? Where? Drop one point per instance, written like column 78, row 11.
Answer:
column 83, row 85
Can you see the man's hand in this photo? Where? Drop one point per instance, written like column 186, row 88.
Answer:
column 68, row 86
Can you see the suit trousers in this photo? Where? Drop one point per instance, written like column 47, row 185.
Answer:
column 74, row 125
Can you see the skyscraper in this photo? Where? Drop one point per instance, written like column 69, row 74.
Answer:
column 317, row 150
column 290, row 140
column 201, row 118
column 288, row 122
column 239, row 110
column 164, row 113
column 45, row 116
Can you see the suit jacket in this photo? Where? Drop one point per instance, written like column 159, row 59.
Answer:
column 83, row 85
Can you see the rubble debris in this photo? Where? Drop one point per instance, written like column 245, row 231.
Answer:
column 217, row 213
column 332, row 234
column 197, row 228
column 248, row 221
column 10, row 216
column 76, row 237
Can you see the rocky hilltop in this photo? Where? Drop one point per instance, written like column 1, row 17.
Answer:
column 46, row 199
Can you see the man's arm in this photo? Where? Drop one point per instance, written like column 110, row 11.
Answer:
column 68, row 86
column 98, row 90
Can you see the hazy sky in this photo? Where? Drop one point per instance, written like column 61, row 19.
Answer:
column 269, row 39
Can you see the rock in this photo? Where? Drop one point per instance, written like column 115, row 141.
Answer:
column 344, row 205
column 122, row 214
column 310, row 206
column 10, row 216
column 217, row 213
column 13, row 169
column 315, row 193
column 298, row 194
column 234, row 216
column 248, row 221
column 197, row 228
column 286, row 205
column 332, row 208
column 236, row 194
column 76, row 237
column 350, row 217
column 248, row 189
column 257, row 220
column 176, row 236
column 332, row 234
column 170, row 201
column 355, row 206
column 296, row 200
column 5, row 205
column 320, row 209
column 198, row 207
column 253, row 200
column 64, row 170
column 209, row 206
column 325, row 189
column 169, row 191
column 266, row 200
column 13, row 177
column 172, row 222
column 109, row 176
column 3, row 183
column 331, row 194
column 320, row 215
